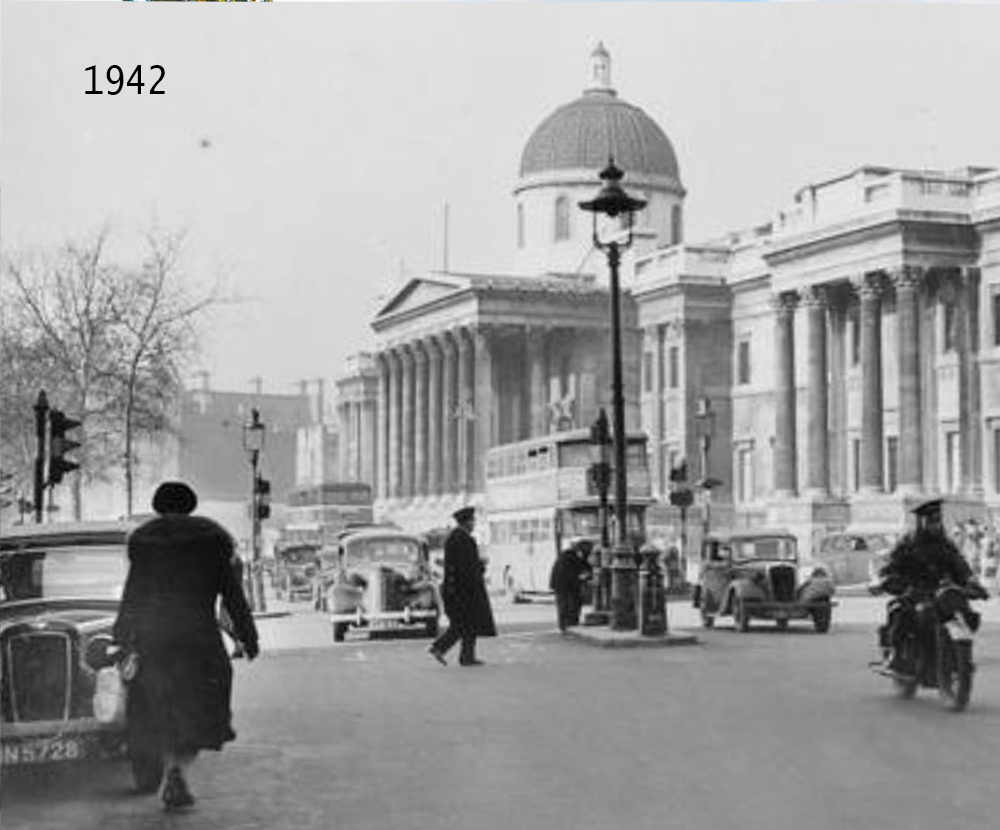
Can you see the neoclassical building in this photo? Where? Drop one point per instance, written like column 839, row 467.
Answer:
column 826, row 367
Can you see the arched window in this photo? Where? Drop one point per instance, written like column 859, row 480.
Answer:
column 520, row 226
column 562, row 219
column 676, row 225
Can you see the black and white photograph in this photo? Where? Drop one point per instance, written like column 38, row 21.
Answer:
column 478, row 415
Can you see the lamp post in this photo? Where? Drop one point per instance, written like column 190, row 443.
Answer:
column 612, row 201
column 706, row 431
column 253, row 444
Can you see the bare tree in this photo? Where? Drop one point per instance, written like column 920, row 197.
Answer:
column 108, row 343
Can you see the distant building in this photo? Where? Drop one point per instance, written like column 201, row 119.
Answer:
column 828, row 366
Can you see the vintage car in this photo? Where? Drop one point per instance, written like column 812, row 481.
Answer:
column 758, row 575
column 381, row 580
column 298, row 568
column 855, row 558
column 60, row 586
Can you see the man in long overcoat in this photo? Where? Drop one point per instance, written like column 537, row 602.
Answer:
column 464, row 593
column 567, row 583
column 179, row 700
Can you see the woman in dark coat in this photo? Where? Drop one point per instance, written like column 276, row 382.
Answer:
column 567, row 582
column 179, row 699
column 464, row 593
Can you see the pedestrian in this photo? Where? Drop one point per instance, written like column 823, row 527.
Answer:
column 179, row 698
column 464, row 593
column 567, row 583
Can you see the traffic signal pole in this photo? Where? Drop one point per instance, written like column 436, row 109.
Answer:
column 41, row 424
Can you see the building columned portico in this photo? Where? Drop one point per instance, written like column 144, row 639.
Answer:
column 845, row 354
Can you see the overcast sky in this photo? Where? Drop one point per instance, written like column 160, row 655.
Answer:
column 336, row 132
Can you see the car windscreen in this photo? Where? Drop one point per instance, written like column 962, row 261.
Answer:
column 776, row 548
column 84, row 572
column 381, row 551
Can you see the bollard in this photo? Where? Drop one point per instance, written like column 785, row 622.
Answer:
column 652, row 596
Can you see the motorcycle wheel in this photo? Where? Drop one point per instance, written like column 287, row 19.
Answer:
column 954, row 673
column 908, row 688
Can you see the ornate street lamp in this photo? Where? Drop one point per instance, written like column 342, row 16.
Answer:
column 253, row 445
column 706, row 431
column 612, row 201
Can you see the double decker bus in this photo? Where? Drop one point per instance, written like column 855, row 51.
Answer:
column 317, row 515
column 540, row 498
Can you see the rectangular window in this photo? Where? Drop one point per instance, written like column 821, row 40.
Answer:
column 856, row 464
column 675, row 367
column 953, row 458
column 647, row 371
column 855, row 337
column 743, row 363
column 950, row 339
column 995, row 305
column 891, row 464
column 996, row 460
column 744, row 474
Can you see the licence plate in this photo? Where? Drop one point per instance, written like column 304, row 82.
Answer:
column 43, row 750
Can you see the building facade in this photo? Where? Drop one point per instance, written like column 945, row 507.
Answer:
column 827, row 367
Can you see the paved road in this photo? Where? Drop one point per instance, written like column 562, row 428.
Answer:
column 767, row 730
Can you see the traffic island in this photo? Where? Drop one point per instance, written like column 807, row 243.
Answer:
column 608, row 638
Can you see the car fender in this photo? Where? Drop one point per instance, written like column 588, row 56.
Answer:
column 745, row 589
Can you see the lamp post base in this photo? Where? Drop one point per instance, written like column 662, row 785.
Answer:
column 623, row 585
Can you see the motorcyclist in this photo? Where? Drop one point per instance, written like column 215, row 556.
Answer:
column 917, row 564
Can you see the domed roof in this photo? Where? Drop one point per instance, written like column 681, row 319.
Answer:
column 584, row 132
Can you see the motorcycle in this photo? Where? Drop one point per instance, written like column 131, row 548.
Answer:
column 936, row 651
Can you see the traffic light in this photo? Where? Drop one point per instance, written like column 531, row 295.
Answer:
column 262, row 497
column 600, row 476
column 599, row 431
column 682, row 498
column 59, row 445
column 679, row 472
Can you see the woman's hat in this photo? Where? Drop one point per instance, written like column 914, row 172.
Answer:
column 174, row 497
column 463, row 514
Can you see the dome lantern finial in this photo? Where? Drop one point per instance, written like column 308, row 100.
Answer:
column 600, row 72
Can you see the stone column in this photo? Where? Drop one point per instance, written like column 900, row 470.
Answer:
column 435, row 432
column 785, row 455
column 396, row 427
column 817, row 393
column 420, row 407
column 408, row 426
column 464, row 410
column 369, row 442
column 837, row 310
column 911, row 476
column 976, row 483
column 656, row 339
column 968, row 379
column 343, row 441
column 449, row 408
column 381, row 478
column 538, row 378
column 869, row 290
column 485, row 424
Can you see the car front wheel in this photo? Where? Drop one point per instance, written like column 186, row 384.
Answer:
column 339, row 630
column 741, row 615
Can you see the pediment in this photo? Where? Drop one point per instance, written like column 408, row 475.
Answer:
column 419, row 292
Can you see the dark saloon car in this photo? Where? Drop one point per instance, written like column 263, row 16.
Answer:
column 60, row 586
column 757, row 574
column 381, row 580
